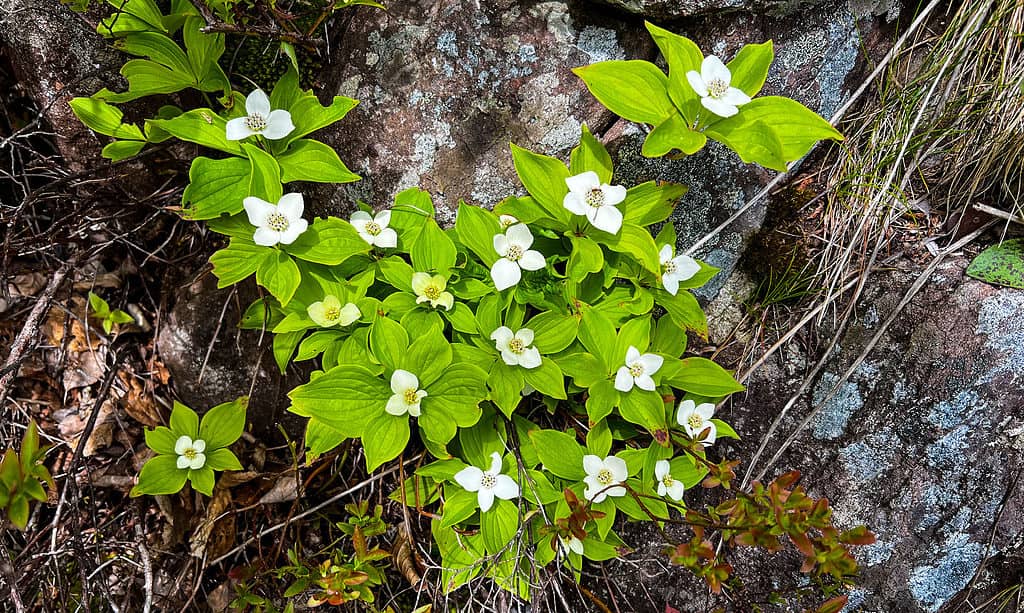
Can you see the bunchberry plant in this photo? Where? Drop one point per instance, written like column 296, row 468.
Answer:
column 22, row 476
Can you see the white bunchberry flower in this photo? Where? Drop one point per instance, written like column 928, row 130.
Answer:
column 712, row 84
column 259, row 119
column 516, row 256
column 572, row 544
column 330, row 312
column 431, row 289
column 407, row 394
column 604, row 473
column 638, row 370
column 488, row 483
column 667, row 486
column 507, row 221
column 589, row 197
column 374, row 230
column 696, row 419
column 276, row 223
column 515, row 348
column 676, row 269
column 190, row 453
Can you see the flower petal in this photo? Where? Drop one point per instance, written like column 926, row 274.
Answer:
column 349, row 314
column 576, row 545
column 645, row 382
column 495, row 463
column 671, row 283
column 705, row 410
column 486, row 499
column 661, row 468
column 199, row 445
column 236, row 129
column 651, row 362
column 383, row 218
column 532, row 260
column 420, row 281
column 182, row 462
column 295, row 229
column 685, row 408
column 520, row 234
column 183, row 443
column 446, row 300
column 735, row 97
column 505, row 274
column 387, row 239
column 291, row 205
column 620, row 472
column 592, row 464
column 686, row 267
column 396, row 405
column 616, row 491
column 501, row 336
column 469, row 478
column 402, row 380
column 712, row 434
column 525, row 335
column 697, row 83
column 675, row 491
column 197, row 461
column 607, row 218
column 662, row 490
column 505, row 487
column 279, row 125
column 632, row 355
column 623, row 380
column 594, row 493
column 712, row 69
column 265, row 237
column 257, row 102
column 500, row 242
column 257, row 209
column 718, row 107
column 665, row 254
column 583, row 182
column 359, row 219
column 530, row 358
column 613, row 194
column 574, row 203
column 509, row 358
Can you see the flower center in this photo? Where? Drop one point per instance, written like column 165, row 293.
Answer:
column 372, row 228
column 410, row 396
column 717, row 88
column 432, row 292
column 604, row 477
column 256, row 122
column 516, row 346
column 695, row 421
column 488, row 481
column 668, row 480
column 636, row 369
column 277, row 222
column 595, row 198
column 332, row 313
column 515, row 252
column 670, row 267
column 190, row 453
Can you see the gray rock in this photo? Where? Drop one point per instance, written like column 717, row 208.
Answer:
column 676, row 9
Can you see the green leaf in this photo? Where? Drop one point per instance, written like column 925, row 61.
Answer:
column 750, row 67
column 506, row 384
column 265, row 175
column 586, row 257
column 526, row 210
column 223, row 424
column 599, row 439
column 204, row 50
column 385, row 437
column 499, row 524
column 795, row 127
column 104, row 118
column 237, row 261
column 703, row 377
column 461, row 318
column 145, row 10
column 344, row 398
column 642, row 408
column 601, row 400
column 476, row 228
column 684, row 309
column 546, row 379
column 122, row 149
column 309, row 115
column 635, row 332
column 222, row 459
column 669, row 338
column 591, row 155
column 310, row 160
column 459, row 393
column 202, row 480
column 184, row 421
column 597, row 334
column 161, row 440
column 389, row 343
column 673, row 133
column 650, row 203
column 202, row 127
column 544, row 177
column 553, row 331
column 428, row 356
column 158, row 48
column 160, row 475
column 458, row 507
column 560, row 454
column 682, row 55
column 284, row 347
column 397, row 272
column 638, row 243
column 433, row 250
column 328, row 241
column 1001, row 264
column 320, row 438
column 635, row 90
column 216, row 187
column 724, row 430
column 279, row 274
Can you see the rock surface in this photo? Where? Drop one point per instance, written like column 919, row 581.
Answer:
column 676, row 9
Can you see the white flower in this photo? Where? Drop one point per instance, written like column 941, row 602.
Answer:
column 666, row 484
column 276, row 223
column 712, row 85
column 572, row 544
column 638, row 370
column 507, row 221
column 260, row 119
column 407, row 394
column 190, row 453
column 601, row 474
column 514, row 248
column 375, row 230
column 329, row 312
column 676, row 269
column 695, row 419
column 588, row 196
column 431, row 289
column 515, row 348
column 488, row 483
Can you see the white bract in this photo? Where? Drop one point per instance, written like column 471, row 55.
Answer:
column 589, row 197
column 516, row 256
column 488, row 483
column 676, row 269
column 330, row 312
column 572, row 544
column 190, row 453
column 276, row 223
column 696, row 418
column 667, row 486
column 406, row 394
column 712, row 84
column 374, row 230
column 638, row 370
column 260, row 119
column 515, row 348
column 431, row 289
column 507, row 221
column 604, row 473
